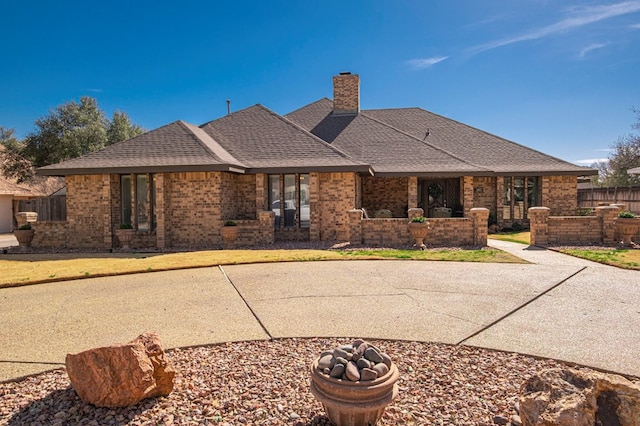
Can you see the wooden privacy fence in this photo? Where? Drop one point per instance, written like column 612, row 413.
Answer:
column 49, row 209
column 593, row 197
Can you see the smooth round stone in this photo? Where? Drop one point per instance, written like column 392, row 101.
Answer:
column 327, row 361
column 342, row 361
column 352, row 372
column 339, row 353
column 326, row 371
column 326, row 353
column 337, row 371
column 386, row 359
column 381, row 369
column 373, row 355
column 368, row 374
column 355, row 356
column 357, row 343
column 347, row 348
column 363, row 363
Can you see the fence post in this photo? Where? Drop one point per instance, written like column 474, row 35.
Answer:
column 539, row 224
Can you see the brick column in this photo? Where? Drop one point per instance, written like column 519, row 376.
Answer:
column 412, row 192
column 314, row 206
column 355, row 226
column 539, row 224
column 267, row 227
column 262, row 192
column 467, row 188
column 608, row 215
column 107, row 233
column 160, row 211
column 480, row 217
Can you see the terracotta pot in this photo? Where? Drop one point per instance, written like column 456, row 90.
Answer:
column 24, row 236
column 125, row 236
column 627, row 227
column 354, row 403
column 229, row 234
column 419, row 233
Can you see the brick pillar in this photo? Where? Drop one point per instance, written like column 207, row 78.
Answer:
column 608, row 215
column 314, row 206
column 499, row 199
column 346, row 94
column 267, row 226
column 480, row 216
column 355, row 226
column 160, row 211
column 262, row 192
column 467, row 188
column 539, row 224
column 107, row 227
column 412, row 192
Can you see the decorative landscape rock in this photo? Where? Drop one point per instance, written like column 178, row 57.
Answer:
column 121, row 375
column 354, row 383
column 567, row 397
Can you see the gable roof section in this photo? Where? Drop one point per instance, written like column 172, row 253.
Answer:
column 490, row 154
column 268, row 142
column 178, row 146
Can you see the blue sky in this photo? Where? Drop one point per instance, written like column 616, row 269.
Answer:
column 557, row 76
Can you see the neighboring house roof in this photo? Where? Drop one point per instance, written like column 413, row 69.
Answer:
column 411, row 137
column 634, row 171
column 39, row 187
column 266, row 141
column 178, row 146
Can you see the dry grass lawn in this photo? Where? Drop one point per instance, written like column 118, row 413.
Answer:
column 22, row 269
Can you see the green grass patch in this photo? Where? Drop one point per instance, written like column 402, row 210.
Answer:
column 514, row 237
column 58, row 267
column 627, row 259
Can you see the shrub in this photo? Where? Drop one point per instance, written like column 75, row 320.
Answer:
column 517, row 227
column 419, row 219
column 126, row 226
column 25, row 227
column 229, row 223
column 626, row 215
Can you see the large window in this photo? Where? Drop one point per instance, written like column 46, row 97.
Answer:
column 289, row 200
column 520, row 193
column 138, row 201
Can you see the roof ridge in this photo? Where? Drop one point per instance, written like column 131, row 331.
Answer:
column 210, row 144
column 308, row 105
column 316, row 138
column 423, row 141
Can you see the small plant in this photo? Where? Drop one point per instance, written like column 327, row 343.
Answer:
column 230, row 223
column 517, row 227
column 419, row 219
column 25, row 227
column 126, row 226
column 626, row 215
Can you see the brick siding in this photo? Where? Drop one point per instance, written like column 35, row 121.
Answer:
column 386, row 193
column 346, row 93
column 560, row 194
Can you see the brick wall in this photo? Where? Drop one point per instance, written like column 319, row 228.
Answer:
column 239, row 193
column 88, row 211
column 484, row 192
column 560, row 194
column 386, row 193
column 50, row 234
column 443, row 232
column 336, row 195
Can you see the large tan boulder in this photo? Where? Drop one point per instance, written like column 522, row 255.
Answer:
column 567, row 397
column 121, row 375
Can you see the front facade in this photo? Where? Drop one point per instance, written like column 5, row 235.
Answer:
column 302, row 176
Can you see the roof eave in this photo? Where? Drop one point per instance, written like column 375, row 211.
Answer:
column 308, row 169
column 141, row 169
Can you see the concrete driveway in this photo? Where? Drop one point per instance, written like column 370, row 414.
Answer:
column 558, row 307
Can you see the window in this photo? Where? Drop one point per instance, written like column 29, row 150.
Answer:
column 519, row 194
column 289, row 200
column 138, row 201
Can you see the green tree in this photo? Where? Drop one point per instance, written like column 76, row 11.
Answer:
column 120, row 128
column 14, row 165
column 70, row 130
column 625, row 156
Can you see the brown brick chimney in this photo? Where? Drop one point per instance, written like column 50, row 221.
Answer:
column 346, row 93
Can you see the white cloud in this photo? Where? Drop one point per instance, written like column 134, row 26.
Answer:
column 94, row 90
column 578, row 17
column 590, row 161
column 591, row 47
column 420, row 64
column 635, row 26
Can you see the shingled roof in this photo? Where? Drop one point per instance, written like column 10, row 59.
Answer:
column 418, row 142
column 268, row 142
column 178, row 146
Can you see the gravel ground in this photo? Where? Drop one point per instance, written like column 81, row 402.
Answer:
column 267, row 383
